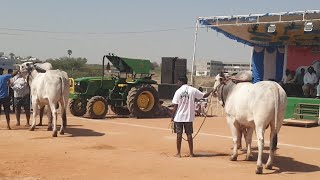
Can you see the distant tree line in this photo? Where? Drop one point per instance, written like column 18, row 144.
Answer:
column 76, row 66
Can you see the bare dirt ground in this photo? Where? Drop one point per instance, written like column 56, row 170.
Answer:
column 124, row 148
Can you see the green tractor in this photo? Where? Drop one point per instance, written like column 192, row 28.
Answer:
column 130, row 91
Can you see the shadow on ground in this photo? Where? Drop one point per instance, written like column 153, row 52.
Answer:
column 288, row 165
column 81, row 132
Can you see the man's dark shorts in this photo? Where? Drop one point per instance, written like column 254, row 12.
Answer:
column 22, row 102
column 187, row 126
column 6, row 104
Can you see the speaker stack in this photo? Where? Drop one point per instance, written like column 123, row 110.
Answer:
column 171, row 69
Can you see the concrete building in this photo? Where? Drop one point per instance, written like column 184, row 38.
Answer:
column 215, row 67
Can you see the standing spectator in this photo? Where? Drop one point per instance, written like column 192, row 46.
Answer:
column 299, row 81
column 300, row 76
column 10, row 71
column 4, row 94
column 184, row 112
column 310, row 80
column 21, row 97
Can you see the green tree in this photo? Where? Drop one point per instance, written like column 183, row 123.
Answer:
column 75, row 67
column 69, row 52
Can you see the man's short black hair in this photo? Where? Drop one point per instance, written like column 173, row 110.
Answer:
column 1, row 69
column 183, row 79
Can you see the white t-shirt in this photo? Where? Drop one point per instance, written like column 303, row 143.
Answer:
column 310, row 78
column 185, row 97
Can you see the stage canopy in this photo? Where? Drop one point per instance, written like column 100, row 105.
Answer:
column 299, row 28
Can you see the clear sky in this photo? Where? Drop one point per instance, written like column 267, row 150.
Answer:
column 92, row 28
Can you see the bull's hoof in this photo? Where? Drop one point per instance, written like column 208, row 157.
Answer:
column 233, row 158
column 269, row 166
column 62, row 132
column 259, row 170
column 249, row 158
column 32, row 128
column 243, row 149
column 49, row 129
column 55, row 134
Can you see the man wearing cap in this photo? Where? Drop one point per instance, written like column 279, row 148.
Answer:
column 4, row 94
column 184, row 112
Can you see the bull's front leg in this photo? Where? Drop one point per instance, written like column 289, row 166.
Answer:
column 260, row 136
column 41, row 114
column 34, row 113
column 235, row 133
column 248, row 137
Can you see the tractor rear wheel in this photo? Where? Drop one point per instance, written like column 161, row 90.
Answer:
column 120, row 110
column 97, row 107
column 77, row 107
column 143, row 101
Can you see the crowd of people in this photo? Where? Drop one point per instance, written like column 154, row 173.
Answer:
column 14, row 88
column 302, row 84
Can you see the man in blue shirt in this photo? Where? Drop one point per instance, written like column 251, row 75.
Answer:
column 4, row 94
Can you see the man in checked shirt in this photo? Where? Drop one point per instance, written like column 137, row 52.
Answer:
column 21, row 97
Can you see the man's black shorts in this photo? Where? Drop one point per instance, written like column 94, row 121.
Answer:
column 6, row 104
column 22, row 101
column 187, row 126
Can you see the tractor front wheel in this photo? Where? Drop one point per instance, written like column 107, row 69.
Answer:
column 97, row 107
column 77, row 107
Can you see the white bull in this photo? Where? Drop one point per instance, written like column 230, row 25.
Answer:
column 48, row 88
column 44, row 67
column 253, row 106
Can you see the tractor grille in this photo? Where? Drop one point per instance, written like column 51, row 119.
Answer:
column 80, row 87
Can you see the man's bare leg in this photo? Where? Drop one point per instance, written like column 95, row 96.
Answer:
column 179, row 140
column 190, row 142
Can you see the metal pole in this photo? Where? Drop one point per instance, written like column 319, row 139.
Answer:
column 194, row 51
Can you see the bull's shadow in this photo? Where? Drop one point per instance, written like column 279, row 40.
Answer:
column 81, row 132
column 289, row 165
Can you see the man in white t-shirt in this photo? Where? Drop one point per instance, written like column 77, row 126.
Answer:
column 310, row 81
column 184, row 111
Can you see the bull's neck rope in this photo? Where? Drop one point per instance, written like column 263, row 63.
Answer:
column 221, row 86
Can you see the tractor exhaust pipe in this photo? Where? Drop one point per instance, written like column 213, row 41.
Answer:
column 102, row 69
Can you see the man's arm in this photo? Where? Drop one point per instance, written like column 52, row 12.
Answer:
column 15, row 73
column 208, row 93
column 175, row 107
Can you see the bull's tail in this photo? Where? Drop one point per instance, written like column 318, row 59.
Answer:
column 64, row 105
column 276, row 109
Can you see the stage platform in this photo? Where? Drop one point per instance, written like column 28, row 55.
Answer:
column 303, row 111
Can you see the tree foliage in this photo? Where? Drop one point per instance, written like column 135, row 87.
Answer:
column 65, row 63
column 154, row 66
column 75, row 67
